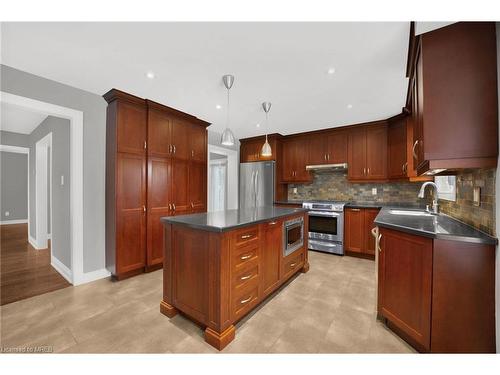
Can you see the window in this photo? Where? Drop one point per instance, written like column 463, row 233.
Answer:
column 447, row 187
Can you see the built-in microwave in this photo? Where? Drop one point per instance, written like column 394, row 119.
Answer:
column 293, row 234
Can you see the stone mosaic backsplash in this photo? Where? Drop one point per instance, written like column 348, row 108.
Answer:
column 333, row 185
column 481, row 217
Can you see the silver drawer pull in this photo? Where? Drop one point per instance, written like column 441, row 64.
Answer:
column 245, row 277
column 243, row 301
column 245, row 236
column 293, row 265
column 245, row 257
column 272, row 223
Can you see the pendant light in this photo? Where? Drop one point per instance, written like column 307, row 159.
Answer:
column 227, row 138
column 266, row 148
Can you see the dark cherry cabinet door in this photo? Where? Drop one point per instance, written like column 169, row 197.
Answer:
column 418, row 130
column 397, row 149
column 337, row 147
column 131, row 212
column 354, row 231
column 198, row 186
column 180, row 187
column 198, row 139
column 158, row 206
column 376, row 152
column 318, row 153
column 180, row 139
column 271, row 255
column 301, row 155
column 131, row 128
column 159, row 133
column 369, row 215
column 357, row 155
column 249, row 152
column 405, row 284
column 289, row 155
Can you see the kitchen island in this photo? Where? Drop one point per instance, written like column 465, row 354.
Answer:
column 218, row 266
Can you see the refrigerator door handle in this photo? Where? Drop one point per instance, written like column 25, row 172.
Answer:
column 256, row 186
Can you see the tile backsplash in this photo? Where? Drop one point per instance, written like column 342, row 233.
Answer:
column 333, row 185
column 481, row 217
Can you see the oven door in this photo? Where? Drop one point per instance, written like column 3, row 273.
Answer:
column 326, row 225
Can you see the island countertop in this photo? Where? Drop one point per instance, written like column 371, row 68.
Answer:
column 221, row 221
column 435, row 226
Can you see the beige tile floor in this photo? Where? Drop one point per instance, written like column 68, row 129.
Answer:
column 331, row 309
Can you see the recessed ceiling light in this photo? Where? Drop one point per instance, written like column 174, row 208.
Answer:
column 218, row 106
column 349, row 106
column 331, row 71
column 150, row 75
column 257, row 125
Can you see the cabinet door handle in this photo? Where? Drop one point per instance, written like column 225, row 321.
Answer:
column 413, row 149
column 243, row 301
column 378, row 243
column 173, row 205
column 169, row 149
column 368, row 171
column 192, row 205
column 144, row 209
column 170, row 206
column 145, row 145
column 272, row 223
column 192, row 153
column 354, row 209
column 325, row 157
column 245, row 236
column 364, row 171
column 292, row 265
column 245, row 257
column 174, row 148
column 328, row 156
column 246, row 277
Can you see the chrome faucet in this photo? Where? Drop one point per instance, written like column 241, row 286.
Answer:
column 435, row 206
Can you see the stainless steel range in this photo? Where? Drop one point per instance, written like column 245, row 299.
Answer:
column 326, row 226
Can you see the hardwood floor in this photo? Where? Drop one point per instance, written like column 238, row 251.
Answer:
column 24, row 271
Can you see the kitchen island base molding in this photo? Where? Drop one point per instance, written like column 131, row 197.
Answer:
column 168, row 310
column 220, row 340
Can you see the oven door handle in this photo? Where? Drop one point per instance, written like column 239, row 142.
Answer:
column 325, row 214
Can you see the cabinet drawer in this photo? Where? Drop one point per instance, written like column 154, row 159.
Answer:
column 244, row 255
column 244, row 301
column 292, row 263
column 248, row 275
column 245, row 236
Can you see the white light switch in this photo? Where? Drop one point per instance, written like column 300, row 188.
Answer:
column 374, row 191
column 295, row 190
column 7, row 213
column 62, row 180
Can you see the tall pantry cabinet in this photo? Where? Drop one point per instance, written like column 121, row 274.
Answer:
column 156, row 165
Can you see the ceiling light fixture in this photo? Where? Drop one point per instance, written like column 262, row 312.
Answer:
column 257, row 125
column 218, row 106
column 349, row 106
column 150, row 75
column 227, row 138
column 331, row 71
column 266, row 148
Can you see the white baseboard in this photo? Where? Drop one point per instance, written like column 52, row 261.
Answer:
column 62, row 269
column 88, row 277
column 10, row 222
column 33, row 243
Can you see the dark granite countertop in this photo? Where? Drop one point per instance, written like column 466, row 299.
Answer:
column 436, row 226
column 222, row 221
column 289, row 202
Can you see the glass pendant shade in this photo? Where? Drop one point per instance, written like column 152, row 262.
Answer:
column 266, row 147
column 227, row 138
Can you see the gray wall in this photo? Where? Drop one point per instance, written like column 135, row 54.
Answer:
column 14, row 185
column 61, row 230
column 94, row 139
column 14, row 139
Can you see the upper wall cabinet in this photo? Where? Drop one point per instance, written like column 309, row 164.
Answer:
column 328, row 148
column 367, row 153
column 295, row 155
column 453, row 97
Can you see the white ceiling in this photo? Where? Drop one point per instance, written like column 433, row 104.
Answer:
column 19, row 120
column 285, row 63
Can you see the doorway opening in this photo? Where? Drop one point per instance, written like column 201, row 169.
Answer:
column 222, row 178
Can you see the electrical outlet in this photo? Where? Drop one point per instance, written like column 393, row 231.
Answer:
column 477, row 196
column 295, row 190
column 374, row 191
column 7, row 213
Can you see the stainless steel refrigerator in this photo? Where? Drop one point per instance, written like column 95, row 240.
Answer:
column 257, row 184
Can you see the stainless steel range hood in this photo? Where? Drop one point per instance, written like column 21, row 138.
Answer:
column 339, row 166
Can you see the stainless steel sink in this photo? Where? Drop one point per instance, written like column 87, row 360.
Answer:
column 411, row 213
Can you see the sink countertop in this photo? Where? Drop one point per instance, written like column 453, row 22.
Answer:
column 436, row 226
column 222, row 221
column 355, row 204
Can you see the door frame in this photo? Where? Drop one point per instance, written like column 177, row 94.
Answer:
column 43, row 182
column 232, row 175
column 75, row 117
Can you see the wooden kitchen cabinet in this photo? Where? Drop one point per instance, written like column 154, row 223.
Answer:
column 358, row 223
column 405, row 284
column 438, row 295
column 397, row 148
column 155, row 167
column 367, row 153
column 454, row 99
column 327, row 148
column 271, row 255
column 295, row 156
column 250, row 151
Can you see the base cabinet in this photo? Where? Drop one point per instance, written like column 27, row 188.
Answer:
column 358, row 239
column 438, row 295
column 216, row 278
